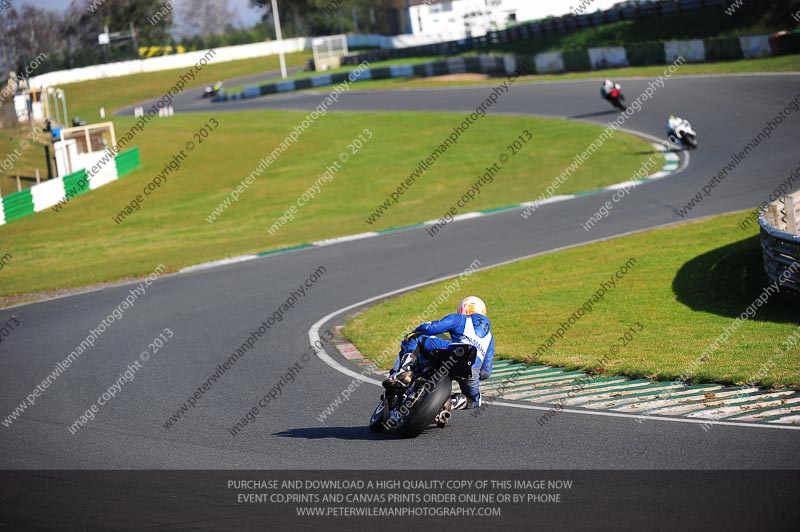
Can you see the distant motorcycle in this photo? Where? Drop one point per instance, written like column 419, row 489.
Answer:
column 680, row 131
column 612, row 92
column 212, row 90
column 418, row 395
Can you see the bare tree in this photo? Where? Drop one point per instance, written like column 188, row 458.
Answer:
column 206, row 17
column 26, row 33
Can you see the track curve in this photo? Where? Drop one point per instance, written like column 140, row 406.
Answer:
column 213, row 311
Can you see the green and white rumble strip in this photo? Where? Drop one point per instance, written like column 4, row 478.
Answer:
column 642, row 397
column 638, row 397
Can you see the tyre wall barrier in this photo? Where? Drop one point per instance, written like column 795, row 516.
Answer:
column 780, row 241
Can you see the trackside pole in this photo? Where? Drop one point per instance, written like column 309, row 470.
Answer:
column 276, row 16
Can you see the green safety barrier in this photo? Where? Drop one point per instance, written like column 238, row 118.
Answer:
column 128, row 161
column 76, row 184
column 17, row 205
column 727, row 49
column 20, row 204
column 529, row 60
column 645, row 54
column 576, row 60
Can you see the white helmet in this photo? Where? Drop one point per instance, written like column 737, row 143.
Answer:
column 472, row 305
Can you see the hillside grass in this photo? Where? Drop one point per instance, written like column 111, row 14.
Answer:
column 87, row 97
column 82, row 245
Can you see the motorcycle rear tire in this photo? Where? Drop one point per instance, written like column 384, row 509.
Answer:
column 427, row 408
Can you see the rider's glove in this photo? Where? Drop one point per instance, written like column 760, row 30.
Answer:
column 410, row 336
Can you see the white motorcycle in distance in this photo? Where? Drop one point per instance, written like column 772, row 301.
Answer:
column 680, row 131
column 212, row 91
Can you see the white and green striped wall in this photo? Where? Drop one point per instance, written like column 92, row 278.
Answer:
column 50, row 193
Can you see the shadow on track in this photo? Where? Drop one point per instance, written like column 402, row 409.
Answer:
column 592, row 115
column 726, row 280
column 337, row 433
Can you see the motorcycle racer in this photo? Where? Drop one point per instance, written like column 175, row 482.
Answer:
column 468, row 325
column 612, row 92
column 680, row 131
column 607, row 87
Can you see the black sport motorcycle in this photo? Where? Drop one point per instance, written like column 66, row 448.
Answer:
column 419, row 393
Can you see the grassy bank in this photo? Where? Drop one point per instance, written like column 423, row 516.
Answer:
column 20, row 158
column 82, row 245
column 686, row 284
column 87, row 97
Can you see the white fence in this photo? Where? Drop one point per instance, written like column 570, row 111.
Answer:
column 222, row 54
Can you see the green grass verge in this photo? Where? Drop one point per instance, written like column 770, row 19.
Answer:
column 85, row 99
column 23, row 161
column 689, row 283
column 82, row 245
column 787, row 63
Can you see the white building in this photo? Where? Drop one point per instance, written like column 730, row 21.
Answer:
column 465, row 18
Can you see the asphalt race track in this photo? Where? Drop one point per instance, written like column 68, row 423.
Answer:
column 211, row 312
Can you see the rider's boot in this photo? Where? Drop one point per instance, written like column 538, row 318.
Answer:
column 399, row 377
column 458, row 401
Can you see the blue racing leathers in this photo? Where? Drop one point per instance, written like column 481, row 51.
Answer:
column 475, row 330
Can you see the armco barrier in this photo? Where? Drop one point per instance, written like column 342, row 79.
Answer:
column 780, row 240
column 50, row 193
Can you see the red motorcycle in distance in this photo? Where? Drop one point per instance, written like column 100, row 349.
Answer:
column 612, row 92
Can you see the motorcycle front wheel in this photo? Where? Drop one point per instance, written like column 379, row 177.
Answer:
column 376, row 421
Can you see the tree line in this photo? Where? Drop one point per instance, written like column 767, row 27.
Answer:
column 70, row 38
